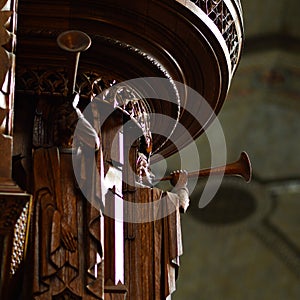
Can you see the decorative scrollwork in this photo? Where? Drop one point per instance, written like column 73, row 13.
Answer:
column 19, row 239
column 89, row 84
column 132, row 103
column 40, row 81
column 14, row 215
column 53, row 82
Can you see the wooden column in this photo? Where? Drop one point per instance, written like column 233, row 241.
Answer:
column 14, row 203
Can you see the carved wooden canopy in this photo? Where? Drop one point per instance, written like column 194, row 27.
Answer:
column 197, row 43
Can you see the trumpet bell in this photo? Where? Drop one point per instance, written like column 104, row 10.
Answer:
column 74, row 41
column 245, row 166
column 241, row 167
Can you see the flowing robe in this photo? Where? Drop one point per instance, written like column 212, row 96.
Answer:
column 58, row 272
column 154, row 247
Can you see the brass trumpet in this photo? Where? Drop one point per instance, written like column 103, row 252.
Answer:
column 241, row 167
column 73, row 41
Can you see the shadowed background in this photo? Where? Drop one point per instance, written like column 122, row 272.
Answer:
column 246, row 243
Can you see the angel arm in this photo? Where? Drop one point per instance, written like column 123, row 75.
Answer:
column 179, row 181
column 87, row 134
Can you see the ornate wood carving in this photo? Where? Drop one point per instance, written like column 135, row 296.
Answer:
column 14, row 203
column 20, row 238
column 201, row 58
column 14, row 213
column 53, row 82
column 65, row 245
column 219, row 13
column 152, row 235
column 7, row 61
column 7, row 29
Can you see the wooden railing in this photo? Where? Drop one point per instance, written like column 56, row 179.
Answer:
column 226, row 15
